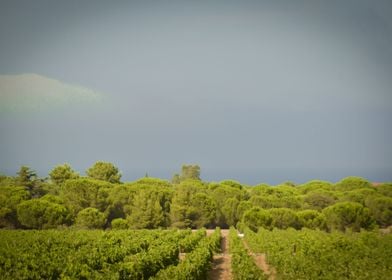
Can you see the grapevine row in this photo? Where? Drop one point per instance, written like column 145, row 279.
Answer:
column 311, row 254
column 196, row 264
column 87, row 254
column 242, row 264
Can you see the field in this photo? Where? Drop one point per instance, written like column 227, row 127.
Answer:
column 186, row 254
column 311, row 254
column 89, row 228
column 98, row 254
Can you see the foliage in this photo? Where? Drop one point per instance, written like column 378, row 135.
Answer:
column 79, row 194
column 343, row 215
column 86, row 254
column 310, row 254
column 205, row 213
column 26, row 177
column 230, row 211
column 191, row 172
column 61, row 173
column 284, row 218
column 257, row 217
column 191, row 203
column 385, row 189
column 190, row 242
column 104, row 171
column 119, row 223
column 318, row 200
column 41, row 214
column 242, row 264
column 311, row 219
column 184, row 207
column 10, row 197
column 90, row 218
column 315, row 186
column 380, row 209
column 352, row 183
column 196, row 264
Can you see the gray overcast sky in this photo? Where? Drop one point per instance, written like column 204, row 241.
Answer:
column 258, row 91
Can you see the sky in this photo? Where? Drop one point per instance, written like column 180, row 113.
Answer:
column 256, row 91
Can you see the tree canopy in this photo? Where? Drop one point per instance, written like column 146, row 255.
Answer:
column 101, row 201
column 104, row 171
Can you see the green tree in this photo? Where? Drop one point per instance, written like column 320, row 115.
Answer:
column 380, row 209
column 344, row 215
column 183, row 211
column 358, row 195
column 85, row 192
column 284, row 218
column 41, row 214
column 221, row 193
column 7, row 181
column 229, row 211
column 265, row 201
column 61, row 173
column 231, row 183
column 205, row 210
column 257, row 217
column 119, row 223
column 311, row 219
column 318, row 200
column 90, row 218
column 26, row 177
column 146, row 211
column 315, row 185
column 190, row 172
column 243, row 206
column 104, row 171
column 352, row 183
column 176, row 179
column 385, row 189
column 10, row 197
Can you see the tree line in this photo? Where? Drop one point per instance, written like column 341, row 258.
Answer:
column 100, row 200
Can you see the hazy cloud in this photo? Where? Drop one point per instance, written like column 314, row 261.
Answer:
column 32, row 92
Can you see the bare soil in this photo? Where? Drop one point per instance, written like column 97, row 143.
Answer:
column 221, row 265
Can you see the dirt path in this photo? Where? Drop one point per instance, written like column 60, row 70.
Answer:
column 261, row 262
column 221, row 265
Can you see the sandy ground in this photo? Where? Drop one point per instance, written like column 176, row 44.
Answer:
column 221, row 265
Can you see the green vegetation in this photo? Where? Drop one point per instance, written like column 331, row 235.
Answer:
column 62, row 173
column 317, row 230
column 105, row 171
column 197, row 262
column 242, row 264
column 100, row 200
column 314, row 254
column 94, row 254
column 82, row 254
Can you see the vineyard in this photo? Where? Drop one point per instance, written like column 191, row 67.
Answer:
column 85, row 228
column 185, row 254
column 310, row 254
column 121, row 254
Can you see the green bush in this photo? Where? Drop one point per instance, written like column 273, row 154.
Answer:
column 344, row 215
column 284, row 218
column 257, row 217
column 119, row 223
column 90, row 218
column 41, row 214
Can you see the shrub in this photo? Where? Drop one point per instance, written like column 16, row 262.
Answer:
column 90, row 218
